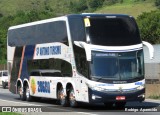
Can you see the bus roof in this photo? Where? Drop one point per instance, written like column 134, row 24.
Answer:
column 44, row 31
column 63, row 17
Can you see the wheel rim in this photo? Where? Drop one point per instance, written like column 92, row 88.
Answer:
column 72, row 97
column 27, row 93
column 20, row 91
column 61, row 96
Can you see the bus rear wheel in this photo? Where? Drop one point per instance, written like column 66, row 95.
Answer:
column 72, row 99
column 21, row 94
column 62, row 97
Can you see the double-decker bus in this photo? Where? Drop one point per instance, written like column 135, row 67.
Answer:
column 91, row 58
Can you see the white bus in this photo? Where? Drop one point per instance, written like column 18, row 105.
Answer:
column 91, row 58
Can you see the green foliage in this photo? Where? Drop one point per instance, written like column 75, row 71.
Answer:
column 157, row 3
column 111, row 2
column 78, row 6
column 149, row 25
column 85, row 5
column 93, row 4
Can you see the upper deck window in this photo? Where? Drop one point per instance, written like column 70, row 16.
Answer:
column 117, row 31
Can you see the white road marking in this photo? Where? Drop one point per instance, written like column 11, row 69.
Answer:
column 20, row 102
column 47, row 107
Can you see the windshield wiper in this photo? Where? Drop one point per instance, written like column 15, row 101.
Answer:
column 98, row 78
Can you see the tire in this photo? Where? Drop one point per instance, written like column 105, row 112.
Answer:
column 22, row 95
column 72, row 100
column 120, row 105
column 109, row 105
column 63, row 100
column 27, row 94
column 4, row 85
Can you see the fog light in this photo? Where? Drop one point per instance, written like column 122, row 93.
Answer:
column 95, row 96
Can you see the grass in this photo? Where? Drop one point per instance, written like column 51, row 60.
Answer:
column 9, row 113
column 129, row 7
column 154, row 97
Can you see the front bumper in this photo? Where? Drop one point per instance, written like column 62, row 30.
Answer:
column 103, row 97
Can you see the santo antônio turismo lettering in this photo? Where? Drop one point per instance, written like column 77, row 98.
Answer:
column 51, row 50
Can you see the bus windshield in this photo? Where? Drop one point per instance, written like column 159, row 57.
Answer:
column 119, row 31
column 117, row 66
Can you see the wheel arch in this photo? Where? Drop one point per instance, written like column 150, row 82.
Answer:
column 18, row 83
column 68, row 86
column 59, row 84
column 26, row 83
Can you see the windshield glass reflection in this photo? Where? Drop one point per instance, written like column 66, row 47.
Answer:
column 117, row 66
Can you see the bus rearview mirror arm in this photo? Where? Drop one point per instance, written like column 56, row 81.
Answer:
column 86, row 47
column 150, row 48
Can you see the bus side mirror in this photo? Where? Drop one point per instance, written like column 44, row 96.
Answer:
column 150, row 48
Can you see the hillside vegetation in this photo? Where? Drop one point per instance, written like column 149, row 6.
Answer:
column 11, row 7
column 130, row 7
column 62, row 7
column 14, row 12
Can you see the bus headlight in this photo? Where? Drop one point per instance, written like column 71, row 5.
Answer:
column 93, row 87
column 140, row 87
column 97, row 88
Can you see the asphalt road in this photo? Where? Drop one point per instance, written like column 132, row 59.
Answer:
column 48, row 105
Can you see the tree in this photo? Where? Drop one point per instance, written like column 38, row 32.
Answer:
column 149, row 25
column 157, row 3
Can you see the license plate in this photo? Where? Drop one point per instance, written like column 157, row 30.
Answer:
column 120, row 98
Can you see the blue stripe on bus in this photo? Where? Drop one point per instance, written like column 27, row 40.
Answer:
column 28, row 54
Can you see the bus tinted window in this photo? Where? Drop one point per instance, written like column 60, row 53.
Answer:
column 81, row 62
column 53, row 74
column 63, row 66
column 118, row 31
column 77, row 28
column 35, row 74
column 37, row 34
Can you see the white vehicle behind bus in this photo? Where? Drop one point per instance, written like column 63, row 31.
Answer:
column 4, row 78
